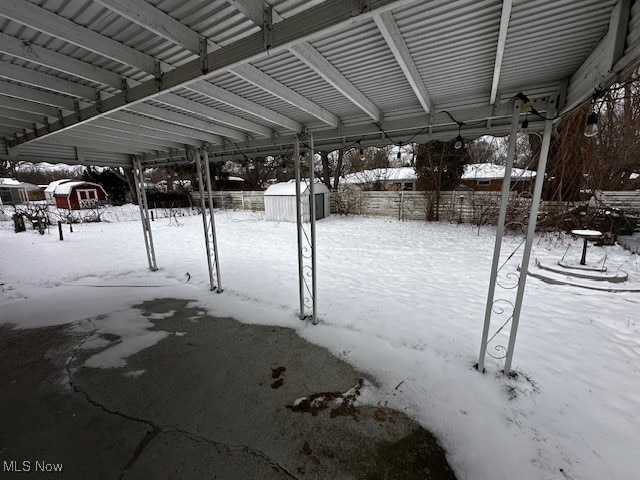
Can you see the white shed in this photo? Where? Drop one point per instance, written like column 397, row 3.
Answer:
column 51, row 189
column 280, row 201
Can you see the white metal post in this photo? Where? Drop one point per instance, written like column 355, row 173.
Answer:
column 533, row 218
column 504, row 202
column 141, row 192
column 212, row 223
column 194, row 156
column 299, row 221
column 312, row 220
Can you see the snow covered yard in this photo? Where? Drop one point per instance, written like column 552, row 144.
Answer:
column 403, row 302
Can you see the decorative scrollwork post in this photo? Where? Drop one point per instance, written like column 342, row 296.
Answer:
column 305, row 215
column 204, row 185
column 512, row 279
column 141, row 191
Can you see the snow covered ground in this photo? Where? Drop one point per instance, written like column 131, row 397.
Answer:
column 402, row 301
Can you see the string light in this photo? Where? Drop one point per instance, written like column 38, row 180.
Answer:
column 399, row 154
column 525, row 123
column 458, row 143
column 591, row 130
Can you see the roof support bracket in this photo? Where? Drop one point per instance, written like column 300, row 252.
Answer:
column 157, row 73
column 125, row 91
column 267, row 26
column 76, row 107
column 204, row 57
column 98, row 101
column 361, row 6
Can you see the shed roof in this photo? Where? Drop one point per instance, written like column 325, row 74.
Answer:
column 146, row 86
column 6, row 182
column 287, row 189
column 13, row 183
column 51, row 188
column 66, row 187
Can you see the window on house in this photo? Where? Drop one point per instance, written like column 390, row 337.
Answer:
column 485, row 183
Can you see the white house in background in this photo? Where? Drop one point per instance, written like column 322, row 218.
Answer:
column 489, row 177
column 398, row 178
column 280, row 201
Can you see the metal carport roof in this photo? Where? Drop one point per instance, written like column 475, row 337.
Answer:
column 95, row 82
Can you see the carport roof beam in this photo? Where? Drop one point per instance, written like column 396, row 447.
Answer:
column 261, row 80
column 241, row 103
column 31, row 15
column 391, row 33
column 314, row 60
column 185, row 120
column 156, row 21
column 323, row 19
column 502, row 41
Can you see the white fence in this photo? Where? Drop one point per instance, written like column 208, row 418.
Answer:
column 629, row 201
column 454, row 206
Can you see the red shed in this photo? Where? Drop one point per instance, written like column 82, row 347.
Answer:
column 78, row 195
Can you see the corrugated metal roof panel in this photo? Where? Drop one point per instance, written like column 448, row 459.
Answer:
column 452, row 43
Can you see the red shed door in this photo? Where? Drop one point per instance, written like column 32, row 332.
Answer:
column 87, row 197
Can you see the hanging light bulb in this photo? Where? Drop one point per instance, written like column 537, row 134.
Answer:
column 525, row 124
column 591, row 130
column 458, row 143
column 399, row 154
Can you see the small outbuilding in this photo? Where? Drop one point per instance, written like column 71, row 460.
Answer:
column 280, row 201
column 14, row 192
column 77, row 195
column 51, row 188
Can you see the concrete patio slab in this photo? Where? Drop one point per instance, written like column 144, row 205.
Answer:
column 219, row 399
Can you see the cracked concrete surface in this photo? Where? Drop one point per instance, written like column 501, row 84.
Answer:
column 204, row 408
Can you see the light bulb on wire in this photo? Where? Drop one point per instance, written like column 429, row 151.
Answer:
column 458, row 143
column 591, row 130
column 525, row 124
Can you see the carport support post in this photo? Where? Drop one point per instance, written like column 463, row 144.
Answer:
column 531, row 229
column 209, row 238
column 504, row 201
column 312, row 220
column 296, row 162
column 306, row 240
column 141, row 191
column 212, row 223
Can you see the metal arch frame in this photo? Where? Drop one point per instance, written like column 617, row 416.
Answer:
column 491, row 305
column 209, row 226
column 306, row 237
column 141, row 191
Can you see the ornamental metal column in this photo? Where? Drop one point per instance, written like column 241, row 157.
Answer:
column 502, row 306
column 211, row 243
column 305, row 213
column 141, row 192
column 531, row 229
